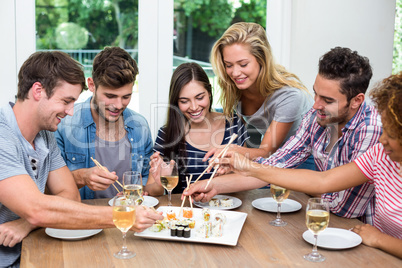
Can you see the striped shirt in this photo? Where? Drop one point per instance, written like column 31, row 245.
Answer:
column 358, row 135
column 385, row 174
column 192, row 162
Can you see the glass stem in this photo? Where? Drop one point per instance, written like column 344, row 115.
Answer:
column 124, row 248
column 315, row 244
column 278, row 214
column 170, row 197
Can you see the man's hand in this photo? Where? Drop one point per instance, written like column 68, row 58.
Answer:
column 97, row 179
column 145, row 217
column 12, row 232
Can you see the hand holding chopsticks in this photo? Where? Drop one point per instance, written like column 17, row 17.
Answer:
column 105, row 169
column 221, row 154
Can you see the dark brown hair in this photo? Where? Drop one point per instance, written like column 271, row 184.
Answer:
column 49, row 68
column 175, row 125
column 347, row 66
column 113, row 68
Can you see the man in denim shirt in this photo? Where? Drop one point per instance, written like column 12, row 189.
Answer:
column 102, row 128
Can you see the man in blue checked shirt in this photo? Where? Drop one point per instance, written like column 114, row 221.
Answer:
column 339, row 128
column 104, row 128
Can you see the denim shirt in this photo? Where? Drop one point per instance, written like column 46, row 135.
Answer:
column 76, row 139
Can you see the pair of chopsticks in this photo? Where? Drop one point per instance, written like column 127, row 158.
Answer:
column 220, row 155
column 184, row 199
column 104, row 169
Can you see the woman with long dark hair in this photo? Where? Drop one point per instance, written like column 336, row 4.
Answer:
column 192, row 128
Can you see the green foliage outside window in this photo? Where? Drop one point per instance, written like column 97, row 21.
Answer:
column 397, row 60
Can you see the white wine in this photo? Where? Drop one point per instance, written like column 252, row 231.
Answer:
column 169, row 182
column 133, row 191
column 279, row 194
column 123, row 217
column 317, row 220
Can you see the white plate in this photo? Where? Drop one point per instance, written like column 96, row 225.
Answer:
column 231, row 229
column 236, row 203
column 270, row 205
column 149, row 201
column 334, row 238
column 71, row 234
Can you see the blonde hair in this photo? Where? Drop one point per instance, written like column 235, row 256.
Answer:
column 272, row 76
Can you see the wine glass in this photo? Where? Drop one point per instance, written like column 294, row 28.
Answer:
column 279, row 194
column 124, row 218
column 169, row 177
column 132, row 186
column 317, row 219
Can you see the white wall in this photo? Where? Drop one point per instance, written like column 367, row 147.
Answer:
column 366, row 26
column 17, row 31
column 155, row 59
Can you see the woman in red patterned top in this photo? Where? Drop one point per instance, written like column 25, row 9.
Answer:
column 380, row 165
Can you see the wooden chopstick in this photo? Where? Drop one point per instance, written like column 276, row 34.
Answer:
column 216, row 169
column 188, row 185
column 184, row 199
column 232, row 138
column 104, row 169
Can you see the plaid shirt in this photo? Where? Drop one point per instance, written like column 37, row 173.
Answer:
column 359, row 134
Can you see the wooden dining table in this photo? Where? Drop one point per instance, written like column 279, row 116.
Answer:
column 259, row 244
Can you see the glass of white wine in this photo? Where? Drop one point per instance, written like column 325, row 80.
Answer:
column 132, row 186
column 317, row 219
column 124, row 219
column 169, row 177
column 279, row 194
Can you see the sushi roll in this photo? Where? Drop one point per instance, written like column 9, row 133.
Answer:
column 157, row 227
column 187, row 213
column 173, row 231
column 180, row 232
column 226, row 202
column 191, row 224
column 217, row 229
column 214, row 202
column 187, row 232
column 206, row 213
column 220, row 217
column 171, row 215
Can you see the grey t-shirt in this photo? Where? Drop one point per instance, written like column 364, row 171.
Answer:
column 116, row 156
column 284, row 105
column 17, row 157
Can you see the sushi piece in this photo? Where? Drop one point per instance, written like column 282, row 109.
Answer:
column 180, row 232
column 226, row 202
column 217, row 229
column 206, row 213
column 187, row 213
column 157, row 227
column 220, row 217
column 171, row 215
column 187, row 232
column 214, row 202
column 173, row 231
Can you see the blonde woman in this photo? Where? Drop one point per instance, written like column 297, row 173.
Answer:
column 263, row 93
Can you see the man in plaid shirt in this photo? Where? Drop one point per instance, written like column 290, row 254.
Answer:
column 340, row 127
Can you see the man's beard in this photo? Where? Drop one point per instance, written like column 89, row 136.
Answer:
column 100, row 112
column 342, row 118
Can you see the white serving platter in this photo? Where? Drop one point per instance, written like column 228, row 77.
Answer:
column 231, row 230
